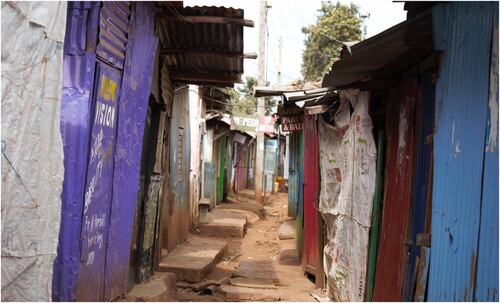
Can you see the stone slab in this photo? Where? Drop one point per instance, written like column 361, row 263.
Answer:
column 253, row 283
column 287, row 230
column 247, row 193
column 236, row 293
column 159, row 288
column 194, row 259
column 257, row 269
column 224, row 223
column 288, row 253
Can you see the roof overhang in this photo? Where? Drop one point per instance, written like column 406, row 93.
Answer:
column 203, row 45
column 375, row 62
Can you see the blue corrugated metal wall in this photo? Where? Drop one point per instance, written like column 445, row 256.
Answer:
column 463, row 30
column 487, row 268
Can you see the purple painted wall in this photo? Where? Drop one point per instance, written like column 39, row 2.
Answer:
column 133, row 105
column 78, row 79
column 78, row 82
column 97, row 201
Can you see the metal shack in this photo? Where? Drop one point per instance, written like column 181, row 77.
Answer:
column 126, row 126
column 433, row 81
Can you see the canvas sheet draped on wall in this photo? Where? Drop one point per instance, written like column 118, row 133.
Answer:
column 348, row 170
column 32, row 149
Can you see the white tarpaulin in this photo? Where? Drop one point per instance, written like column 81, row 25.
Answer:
column 348, row 171
column 32, row 151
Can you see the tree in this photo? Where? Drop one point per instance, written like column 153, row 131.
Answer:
column 335, row 24
column 243, row 102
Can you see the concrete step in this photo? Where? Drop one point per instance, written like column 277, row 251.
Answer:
column 288, row 253
column 160, row 288
column 194, row 259
column 224, row 223
column 253, row 283
column 287, row 230
column 247, row 193
column 236, row 293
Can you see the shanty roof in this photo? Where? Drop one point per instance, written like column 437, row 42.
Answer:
column 371, row 62
column 203, row 45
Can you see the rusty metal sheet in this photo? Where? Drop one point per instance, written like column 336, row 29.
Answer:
column 425, row 112
column 180, row 152
column 311, row 193
column 393, row 245
column 422, row 274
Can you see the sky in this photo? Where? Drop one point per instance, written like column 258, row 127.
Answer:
column 286, row 18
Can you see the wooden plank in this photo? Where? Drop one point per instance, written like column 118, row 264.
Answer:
column 372, row 253
column 193, row 77
column 203, row 52
column 208, row 19
column 422, row 274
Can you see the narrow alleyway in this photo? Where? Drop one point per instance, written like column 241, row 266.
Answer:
column 252, row 269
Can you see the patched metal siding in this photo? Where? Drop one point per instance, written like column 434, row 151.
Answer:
column 463, row 30
column 113, row 32
column 76, row 101
column 133, row 106
column 421, row 180
column 180, row 152
column 487, row 267
column 394, row 244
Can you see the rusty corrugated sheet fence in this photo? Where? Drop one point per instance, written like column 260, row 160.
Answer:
column 394, row 245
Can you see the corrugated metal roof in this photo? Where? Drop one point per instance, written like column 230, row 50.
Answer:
column 203, row 45
column 382, row 56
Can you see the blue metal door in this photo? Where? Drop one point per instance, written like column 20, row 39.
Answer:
column 98, row 185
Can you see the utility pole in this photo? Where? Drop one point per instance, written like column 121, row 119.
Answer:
column 280, row 46
column 261, row 81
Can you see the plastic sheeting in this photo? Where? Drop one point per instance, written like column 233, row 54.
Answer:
column 32, row 151
column 348, row 171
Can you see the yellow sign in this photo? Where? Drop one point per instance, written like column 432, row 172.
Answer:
column 108, row 88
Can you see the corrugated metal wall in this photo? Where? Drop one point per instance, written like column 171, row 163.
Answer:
column 136, row 89
column 78, row 80
column 113, row 32
column 425, row 112
column 222, row 169
column 100, row 270
column 394, row 247
column 178, row 202
column 463, row 30
column 487, row 268
column 293, row 173
column 311, row 192
column 299, row 221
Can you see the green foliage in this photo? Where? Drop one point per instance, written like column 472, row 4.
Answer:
column 336, row 23
column 242, row 101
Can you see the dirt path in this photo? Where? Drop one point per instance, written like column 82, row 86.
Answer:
column 255, row 257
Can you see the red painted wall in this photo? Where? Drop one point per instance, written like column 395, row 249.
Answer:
column 392, row 252
column 311, row 193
